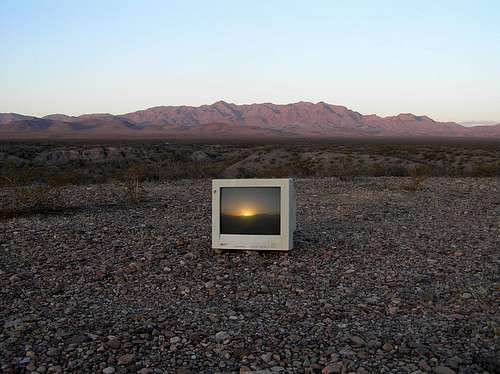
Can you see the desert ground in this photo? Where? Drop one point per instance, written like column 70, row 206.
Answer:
column 388, row 275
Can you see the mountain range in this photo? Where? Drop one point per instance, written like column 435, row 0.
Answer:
column 226, row 120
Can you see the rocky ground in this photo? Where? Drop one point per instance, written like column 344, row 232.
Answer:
column 382, row 280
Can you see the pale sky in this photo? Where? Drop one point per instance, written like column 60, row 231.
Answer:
column 438, row 58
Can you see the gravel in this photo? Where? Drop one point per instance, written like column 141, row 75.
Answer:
column 382, row 280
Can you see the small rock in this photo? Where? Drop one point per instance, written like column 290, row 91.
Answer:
column 387, row 347
column 25, row 361
column 14, row 278
column 175, row 340
column 108, row 370
column 374, row 344
column 333, row 368
column 466, row 295
column 424, row 365
column 443, row 370
column 53, row 352
column 126, row 360
column 347, row 353
column 266, row 357
column 12, row 323
column 92, row 336
column 357, row 341
column 372, row 300
column 113, row 342
column 131, row 268
column 221, row 337
column 455, row 362
column 77, row 339
column 183, row 290
column 393, row 309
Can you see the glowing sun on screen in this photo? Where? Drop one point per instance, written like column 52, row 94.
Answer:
column 246, row 213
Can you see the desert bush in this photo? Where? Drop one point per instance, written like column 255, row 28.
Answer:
column 131, row 182
column 416, row 181
column 30, row 199
column 343, row 168
column 485, row 169
column 38, row 198
column 32, row 190
column 12, row 175
column 386, row 170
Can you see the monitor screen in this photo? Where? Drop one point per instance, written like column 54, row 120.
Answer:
column 250, row 210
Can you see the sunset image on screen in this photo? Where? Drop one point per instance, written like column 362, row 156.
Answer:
column 250, row 210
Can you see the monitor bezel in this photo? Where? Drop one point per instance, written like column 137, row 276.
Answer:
column 282, row 242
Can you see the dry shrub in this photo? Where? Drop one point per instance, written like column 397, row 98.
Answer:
column 416, row 181
column 485, row 170
column 38, row 198
column 131, row 181
column 386, row 170
column 44, row 197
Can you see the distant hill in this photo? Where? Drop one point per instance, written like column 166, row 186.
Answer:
column 11, row 117
column 225, row 120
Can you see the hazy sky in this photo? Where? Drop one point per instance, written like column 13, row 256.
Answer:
column 440, row 58
column 237, row 201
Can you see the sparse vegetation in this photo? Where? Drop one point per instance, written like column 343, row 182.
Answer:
column 19, row 198
column 132, row 182
column 485, row 169
column 416, row 181
column 32, row 175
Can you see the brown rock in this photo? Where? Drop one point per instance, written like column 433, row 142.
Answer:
column 126, row 360
column 388, row 347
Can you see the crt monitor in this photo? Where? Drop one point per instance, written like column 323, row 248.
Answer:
column 253, row 214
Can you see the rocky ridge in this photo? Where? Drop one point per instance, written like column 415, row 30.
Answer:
column 222, row 119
